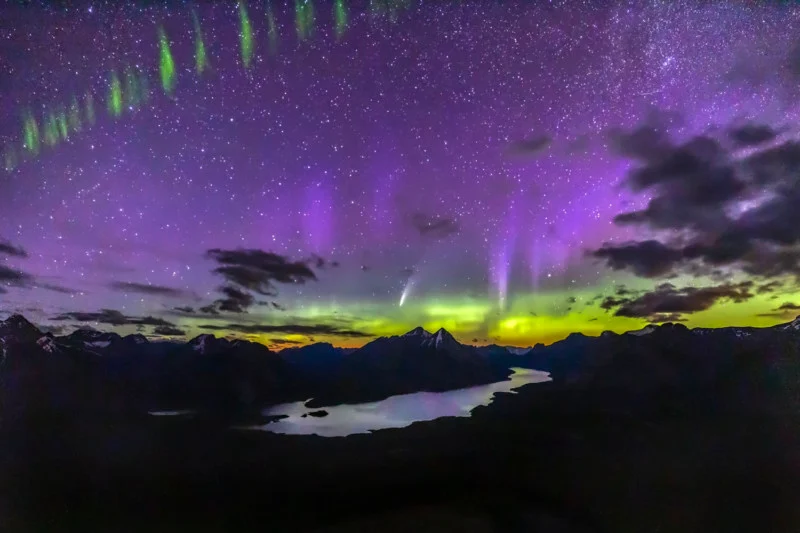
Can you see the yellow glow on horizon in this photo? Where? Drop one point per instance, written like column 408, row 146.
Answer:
column 542, row 317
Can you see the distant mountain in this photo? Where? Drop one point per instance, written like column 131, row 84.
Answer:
column 413, row 362
column 89, row 371
column 316, row 363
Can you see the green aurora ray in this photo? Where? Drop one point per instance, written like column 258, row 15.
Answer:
column 114, row 95
column 245, row 35
column 166, row 64
column 304, row 18
column 30, row 134
column 272, row 31
column 340, row 18
column 200, row 56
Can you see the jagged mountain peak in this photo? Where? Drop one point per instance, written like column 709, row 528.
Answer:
column 419, row 331
column 206, row 341
column 136, row 338
column 17, row 321
column 794, row 325
column 647, row 330
column 17, row 328
column 47, row 343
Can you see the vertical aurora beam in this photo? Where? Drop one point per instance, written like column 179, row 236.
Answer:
column 89, row 103
column 75, row 115
column 272, row 31
column 51, row 129
column 166, row 64
column 245, row 35
column 144, row 88
column 340, row 18
column 63, row 126
column 9, row 158
column 30, row 134
column 114, row 95
column 132, row 93
column 304, row 18
column 200, row 55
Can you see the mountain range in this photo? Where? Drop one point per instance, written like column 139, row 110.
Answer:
column 92, row 371
column 660, row 429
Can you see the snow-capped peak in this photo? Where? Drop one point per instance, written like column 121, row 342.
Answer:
column 137, row 338
column 203, row 342
column 419, row 332
column 47, row 344
column 439, row 339
column 644, row 331
column 794, row 325
column 17, row 321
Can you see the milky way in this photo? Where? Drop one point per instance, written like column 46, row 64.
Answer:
column 444, row 164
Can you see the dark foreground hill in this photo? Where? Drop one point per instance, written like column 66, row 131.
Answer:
column 666, row 430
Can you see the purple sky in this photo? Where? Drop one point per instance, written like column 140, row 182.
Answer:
column 459, row 154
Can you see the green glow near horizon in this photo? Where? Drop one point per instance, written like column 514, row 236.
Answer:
column 115, row 95
column 200, row 56
column 340, row 18
column 89, row 102
column 272, row 31
column 304, row 18
column 75, row 115
column 245, row 35
column 30, row 134
column 166, row 64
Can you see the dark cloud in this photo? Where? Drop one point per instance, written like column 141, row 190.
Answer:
column 187, row 309
column 770, row 287
column 235, row 300
column 111, row 317
column 7, row 248
column 209, row 310
column 719, row 212
column 57, row 288
column 55, row 330
column 168, row 331
column 530, row 147
column 259, row 271
column 752, row 134
column 17, row 278
column 645, row 143
column 788, row 306
column 146, row 288
column 648, row 259
column 297, row 329
column 11, row 276
column 435, row 226
column 571, row 300
column 320, row 262
column 666, row 300
column 285, row 342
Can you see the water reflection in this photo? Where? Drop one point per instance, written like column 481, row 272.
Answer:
column 394, row 412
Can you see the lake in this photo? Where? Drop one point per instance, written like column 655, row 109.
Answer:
column 393, row 412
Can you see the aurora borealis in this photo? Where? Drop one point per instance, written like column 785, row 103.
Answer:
column 469, row 165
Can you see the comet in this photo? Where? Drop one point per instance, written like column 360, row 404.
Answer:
column 405, row 293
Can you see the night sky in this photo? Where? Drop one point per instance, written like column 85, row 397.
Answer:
column 336, row 171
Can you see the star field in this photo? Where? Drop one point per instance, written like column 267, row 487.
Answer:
column 439, row 164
